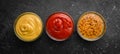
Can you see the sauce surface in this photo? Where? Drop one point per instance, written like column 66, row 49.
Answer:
column 91, row 25
column 59, row 26
column 28, row 26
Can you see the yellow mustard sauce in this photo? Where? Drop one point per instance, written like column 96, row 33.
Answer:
column 91, row 26
column 28, row 26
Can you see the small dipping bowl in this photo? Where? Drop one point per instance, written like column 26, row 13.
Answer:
column 59, row 26
column 28, row 26
column 91, row 26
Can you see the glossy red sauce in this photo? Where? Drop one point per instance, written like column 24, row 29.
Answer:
column 59, row 26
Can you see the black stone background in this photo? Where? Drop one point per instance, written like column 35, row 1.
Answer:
column 108, row 44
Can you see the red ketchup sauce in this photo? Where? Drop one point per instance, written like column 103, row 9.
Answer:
column 59, row 26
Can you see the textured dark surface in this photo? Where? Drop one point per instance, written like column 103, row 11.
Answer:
column 108, row 44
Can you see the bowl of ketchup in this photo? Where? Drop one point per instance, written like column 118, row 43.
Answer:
column 59, row 26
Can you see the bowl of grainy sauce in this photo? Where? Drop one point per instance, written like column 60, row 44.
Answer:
column 91, row 26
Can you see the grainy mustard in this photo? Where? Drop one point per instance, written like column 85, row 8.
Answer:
column 91, row 25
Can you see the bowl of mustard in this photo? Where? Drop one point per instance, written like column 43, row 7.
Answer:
column 91, row 26
column 28, row 26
